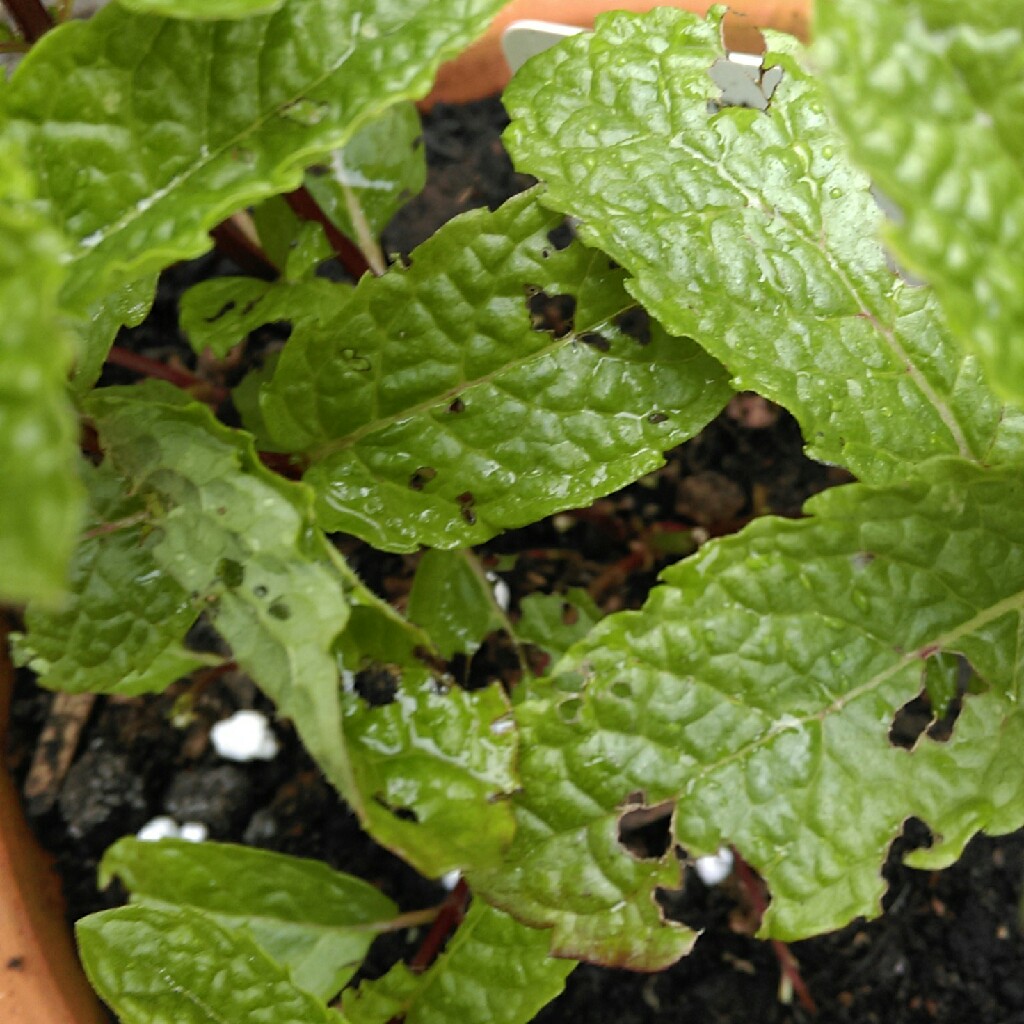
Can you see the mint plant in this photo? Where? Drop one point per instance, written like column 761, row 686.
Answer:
column 439, row 403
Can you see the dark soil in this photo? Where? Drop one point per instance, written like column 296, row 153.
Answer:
column 950, row 947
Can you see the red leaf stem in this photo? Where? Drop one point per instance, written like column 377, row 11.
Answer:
column 305, row 206
column 234, row 243
column 184, row 379
column 448, row 919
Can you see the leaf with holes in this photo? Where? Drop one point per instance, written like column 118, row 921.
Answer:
column 239, row 540
column 40, row 498
column 316, row 922
column 159, row 966
column 554, row 622
column 454, row 601
column 220, row 313
column 141, row 157
column 751, row 232
column 756, row 690
column 494, row 971
column 497, row 379
column 930, row 96
column 435, row 766
column 123, row 628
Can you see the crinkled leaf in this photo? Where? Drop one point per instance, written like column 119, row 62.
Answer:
column 751, row 232
column 434, row 412
column 494, row 971
column 158, row 966
column 40, row 497
column 317, row 922
column 128, row 306
column 554, row 622
column 930, row 95
column 756, row 690
column 242, row 540
column 453, row 601
column 202, row 10
column 122, row 630
column 435, row 767
column 362, row 186
column 220, row 313
column 148, row 131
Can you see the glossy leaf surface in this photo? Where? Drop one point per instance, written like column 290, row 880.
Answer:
column 40, row 497
column 454, row 601
column 488, row 384
column 930, row 95
column 157, row 966
column 435, row 766
column 756, row 690
column 146, row 131
column 751, row 232
column 494, row 971
column 317, row 922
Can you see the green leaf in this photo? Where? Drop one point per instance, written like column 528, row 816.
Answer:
column 554, row 622
column 128, row 306
column 494, row 971
column 755, row 691
column 454, row 602
column 242, row 540
column 123, row 628
column 362, row 186
column 316, row 922
column 220, row 313
column 751, row 232
column 156, row 966
column 171, row 125
column 930, row 96
column 202, row 10
column 435, row 767
column 435, row 413
column 41, row 497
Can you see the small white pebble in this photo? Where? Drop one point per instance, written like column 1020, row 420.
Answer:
column 451, row 879
column 244, row 736
column 563, row 523
column 194, row 832
column 158, row 828
column 502, row 594
column 716, row 867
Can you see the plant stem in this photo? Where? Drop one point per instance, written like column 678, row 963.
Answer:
column 234, row 243
column 31, row 17
column 184, row 379
column 790, row 969
column 448, row 918
column 305, row 206
column 118, row 524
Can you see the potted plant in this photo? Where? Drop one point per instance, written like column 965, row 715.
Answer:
column 767, row 665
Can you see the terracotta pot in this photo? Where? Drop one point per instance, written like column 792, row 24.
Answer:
column 41, row 981
column 481, row 70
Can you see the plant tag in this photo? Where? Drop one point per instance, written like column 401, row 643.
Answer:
column 526, row 38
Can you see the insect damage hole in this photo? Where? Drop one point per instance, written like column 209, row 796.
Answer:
column 744, row 82
column 551, row 313
column 635, row 323
column 401, row 813
column 645, row 833
column 562, row 236
column 946, row 680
